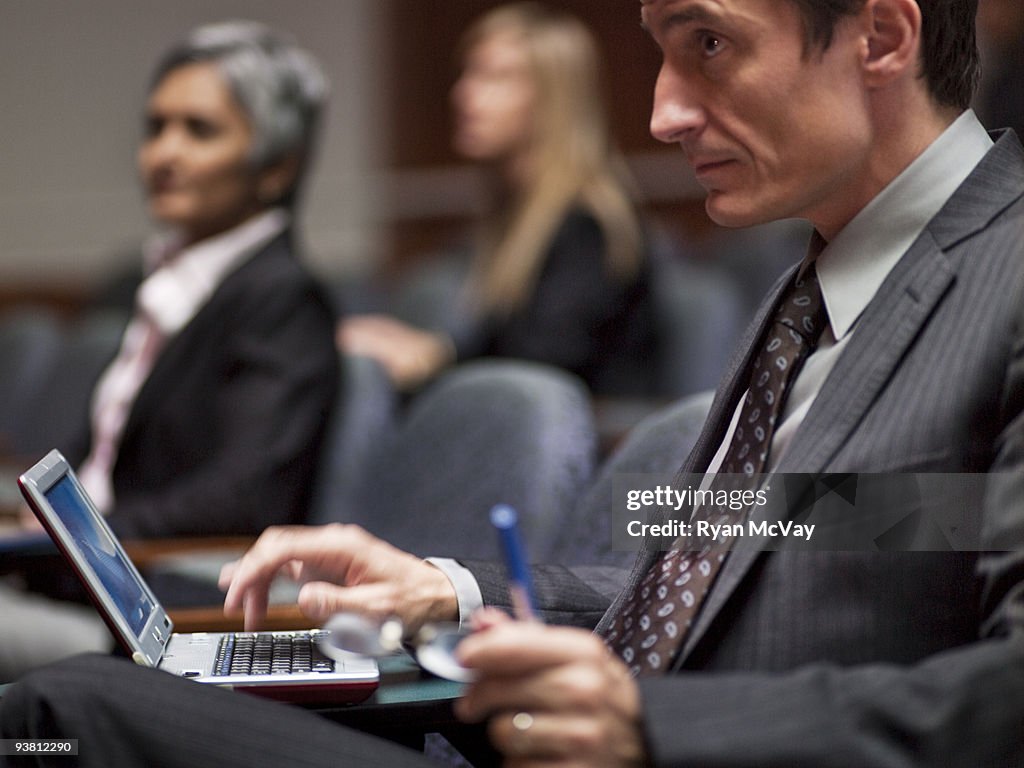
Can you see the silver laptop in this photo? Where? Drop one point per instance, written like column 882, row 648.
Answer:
column 282, row 665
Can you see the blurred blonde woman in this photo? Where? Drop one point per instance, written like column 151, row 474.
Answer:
column 558, row 274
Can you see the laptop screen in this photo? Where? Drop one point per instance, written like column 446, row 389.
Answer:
column 105, row 558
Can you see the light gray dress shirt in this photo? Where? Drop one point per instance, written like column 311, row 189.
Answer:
column 853, row 266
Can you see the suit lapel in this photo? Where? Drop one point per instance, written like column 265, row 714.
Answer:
column 171, row 363
column 736, row 381
column 711, row 435
column 174, row 359
column 887, row 329
column 899, row 311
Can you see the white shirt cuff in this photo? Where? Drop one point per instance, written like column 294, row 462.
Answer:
column 467, row 591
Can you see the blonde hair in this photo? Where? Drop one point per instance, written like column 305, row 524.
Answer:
column 572, row 160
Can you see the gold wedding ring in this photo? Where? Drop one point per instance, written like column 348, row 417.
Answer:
column 522, row 721
column 521, row 724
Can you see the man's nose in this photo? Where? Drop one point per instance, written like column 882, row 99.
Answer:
column 676, row 111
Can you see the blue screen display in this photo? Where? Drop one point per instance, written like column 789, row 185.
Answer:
column 103, row 555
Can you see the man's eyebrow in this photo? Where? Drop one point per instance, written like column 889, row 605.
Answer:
column 694, row 14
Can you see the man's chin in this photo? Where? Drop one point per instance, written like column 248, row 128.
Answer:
column 727, row 212
column 729, row 218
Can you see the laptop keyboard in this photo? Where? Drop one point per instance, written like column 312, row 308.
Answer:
column 270, row 653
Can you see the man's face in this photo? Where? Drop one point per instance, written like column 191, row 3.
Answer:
column 773, row 130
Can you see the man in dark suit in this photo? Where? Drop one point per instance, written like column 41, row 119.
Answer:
column 850, row 114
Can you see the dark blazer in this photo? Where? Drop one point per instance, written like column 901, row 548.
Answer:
column 872, row 659
column 224, row 434
column 578, row 317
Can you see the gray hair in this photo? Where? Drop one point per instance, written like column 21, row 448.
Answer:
column 279, row 86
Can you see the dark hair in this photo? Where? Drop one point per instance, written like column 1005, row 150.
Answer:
column 949, row 52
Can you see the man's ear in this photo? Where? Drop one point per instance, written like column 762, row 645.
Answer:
column 893, row 40
column 278, row 178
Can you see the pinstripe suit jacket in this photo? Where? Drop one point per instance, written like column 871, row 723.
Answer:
column 861, row 659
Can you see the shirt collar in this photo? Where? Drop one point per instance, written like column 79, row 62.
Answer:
column 853, row 266
column 182, row 279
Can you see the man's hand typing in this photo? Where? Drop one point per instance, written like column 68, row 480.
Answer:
column 340, row 568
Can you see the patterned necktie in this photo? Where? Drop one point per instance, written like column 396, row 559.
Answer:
column 649, row 630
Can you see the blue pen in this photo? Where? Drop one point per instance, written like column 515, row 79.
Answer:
column 504, row 518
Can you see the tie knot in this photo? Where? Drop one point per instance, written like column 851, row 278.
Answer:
column 802, row 308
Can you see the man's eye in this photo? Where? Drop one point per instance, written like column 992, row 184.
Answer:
column 709, row 44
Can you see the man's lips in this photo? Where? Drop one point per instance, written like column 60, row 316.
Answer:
column 703, row 167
